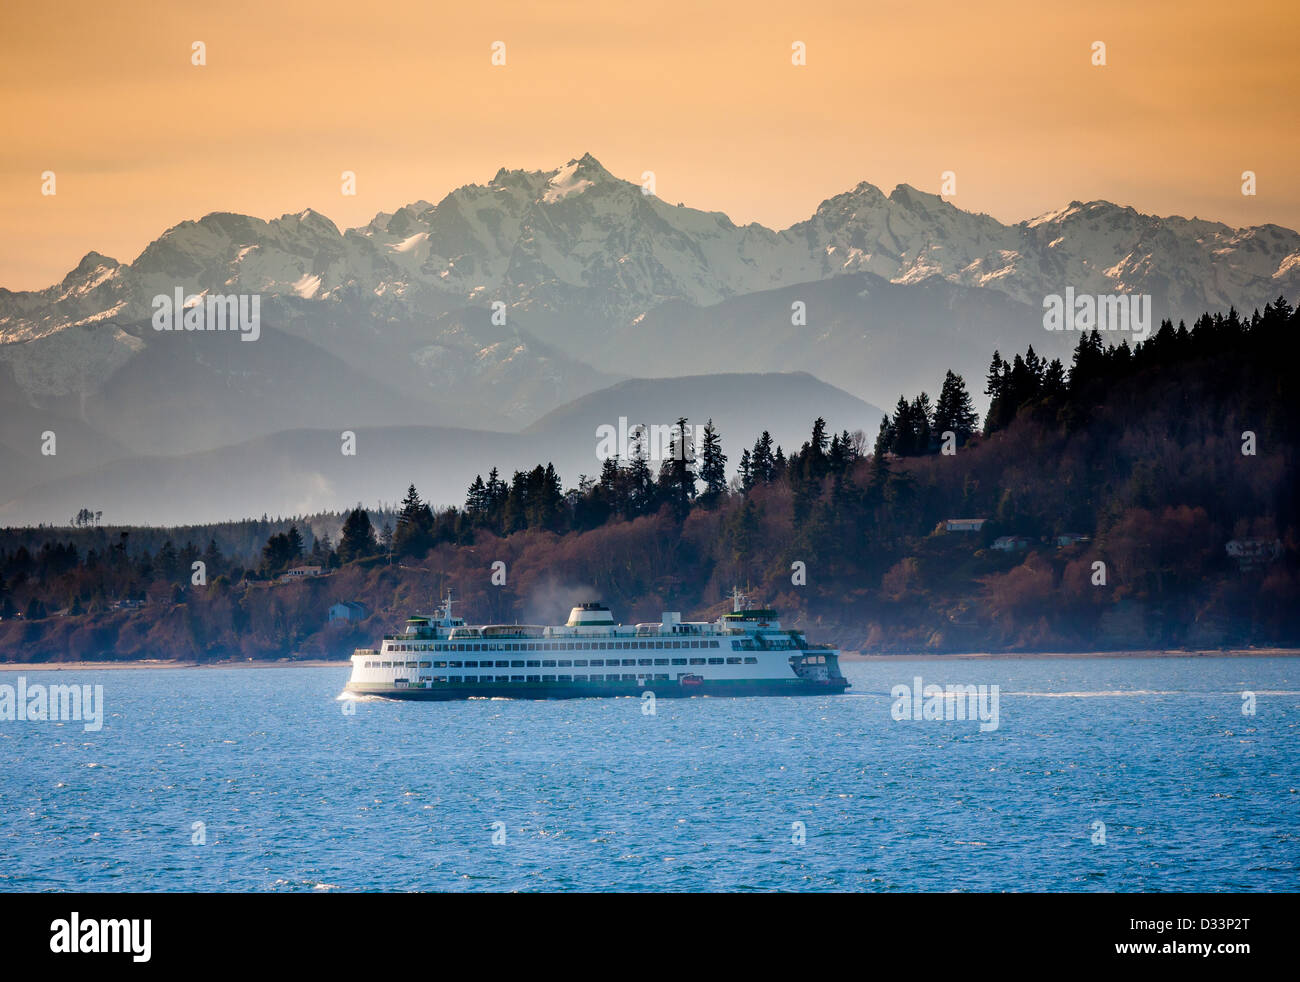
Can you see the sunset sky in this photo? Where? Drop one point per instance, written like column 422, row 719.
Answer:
column 1004, row 94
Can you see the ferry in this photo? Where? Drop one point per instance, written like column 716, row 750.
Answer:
column 743, row 653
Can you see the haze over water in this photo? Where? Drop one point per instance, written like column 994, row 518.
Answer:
column 593, row 794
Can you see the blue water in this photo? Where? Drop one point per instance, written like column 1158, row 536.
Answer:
column 594, row 794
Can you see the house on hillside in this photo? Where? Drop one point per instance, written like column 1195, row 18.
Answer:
column 1012, row 543
column 964, row 524
column 1250, row 553
column 300, row 572
column 348, row 610
column 1066, row 539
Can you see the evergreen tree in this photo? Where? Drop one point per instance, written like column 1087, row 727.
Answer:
column 762, row 463
column 413, row 535
column 779, row 464
column 922, row 429
column 954, row 411
column 903, row 429
column 357, row 539
column 884, row 438
column 676, row 478
column 713, row 466
column 640, row 482
column 476, row 503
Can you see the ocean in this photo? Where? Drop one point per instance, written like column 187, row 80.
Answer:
column 1101, row 774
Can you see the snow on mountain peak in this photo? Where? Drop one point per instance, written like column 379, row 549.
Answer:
column 619, row 254
column 566, row 183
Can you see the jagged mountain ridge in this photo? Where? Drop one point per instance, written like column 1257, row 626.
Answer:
column 595, row 274
column 533, row 238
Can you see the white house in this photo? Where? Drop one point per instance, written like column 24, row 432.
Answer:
column 299, row 572
column 964, row 524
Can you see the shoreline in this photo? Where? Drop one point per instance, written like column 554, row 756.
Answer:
column 846, row 656
column 855, row 656
column 93, row 666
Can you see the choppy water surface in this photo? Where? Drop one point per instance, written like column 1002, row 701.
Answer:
column 293, row 793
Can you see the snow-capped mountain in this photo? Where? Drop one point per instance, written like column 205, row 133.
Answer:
column 581, row 258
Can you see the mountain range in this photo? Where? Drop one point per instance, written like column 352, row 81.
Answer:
column 506, row 300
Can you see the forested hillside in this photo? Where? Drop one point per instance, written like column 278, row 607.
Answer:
column 1137, row 497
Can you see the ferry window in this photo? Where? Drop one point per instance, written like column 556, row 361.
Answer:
column 751, row 660
column 586, row 646
column 629, row 678
column 628, row 661
column 677, row 644
column 427, row 664
column 516, row 678
column 455, row 664
column 679, row 661
column 580, row 678
column 469, row 664
column 411, row 664
column 733, row 661
column 645, row 661
column 698, row 661
column 695, row 644
column 713, row 644
column 534, row 678
column 715, row 661
column 534, row 664
column 454, row 679
column 579, row 663
column 503, row 664
column 661, row 661
column 516, row 664
column 596, row 663
column 437, row 664
column 548, row 678
column 566, row 678
column 568, row 646
column 565, row 663
column 548, row 664
column 503, row 678
column 661, row 678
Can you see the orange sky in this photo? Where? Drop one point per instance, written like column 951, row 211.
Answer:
column 1001, row 93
